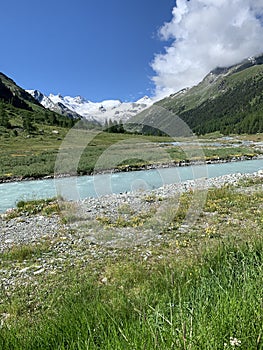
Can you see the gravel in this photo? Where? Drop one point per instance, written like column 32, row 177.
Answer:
column 81, row 238
column 33, row 229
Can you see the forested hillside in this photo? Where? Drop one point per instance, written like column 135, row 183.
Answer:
column 238, row 109
column 229, row 100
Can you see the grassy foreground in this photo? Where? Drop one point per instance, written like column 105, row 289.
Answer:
column 200, row 289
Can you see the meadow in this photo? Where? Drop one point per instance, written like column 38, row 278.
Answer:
column 34, row 155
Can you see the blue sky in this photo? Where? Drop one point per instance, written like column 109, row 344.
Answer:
column 99, row 49
column 121, row 49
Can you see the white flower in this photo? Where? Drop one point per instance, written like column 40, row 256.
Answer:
column 235, row 341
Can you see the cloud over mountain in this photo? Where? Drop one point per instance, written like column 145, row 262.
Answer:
column 204, row 34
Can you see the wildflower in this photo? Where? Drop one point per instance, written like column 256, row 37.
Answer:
column 234, row 341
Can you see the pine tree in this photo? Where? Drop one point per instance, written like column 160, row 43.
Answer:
column 4, row 119
column 27, row 124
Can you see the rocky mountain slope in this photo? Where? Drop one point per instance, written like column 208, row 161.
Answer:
column 11, row 93
column 52, row 106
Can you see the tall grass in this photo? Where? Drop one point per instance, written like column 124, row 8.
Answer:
column 212, row 302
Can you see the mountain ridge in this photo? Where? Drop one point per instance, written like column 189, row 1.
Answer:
column 11, row 92
column 228, row 100
column 98, row 112
column 49, row 104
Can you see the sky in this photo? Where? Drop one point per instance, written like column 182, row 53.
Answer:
column 98, row 49
column 115, row 49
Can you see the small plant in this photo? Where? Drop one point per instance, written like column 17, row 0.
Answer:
column 33, row 207
column 23, row 252
column 151, row 198
column 180, row 213
column 121, row 221
column 125, row 209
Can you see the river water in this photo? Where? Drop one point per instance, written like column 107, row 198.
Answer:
column 75, row 188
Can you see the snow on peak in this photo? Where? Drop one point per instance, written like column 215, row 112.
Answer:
column 41, row 98
column 145, row 99
column 95, row 111
column 104, row 110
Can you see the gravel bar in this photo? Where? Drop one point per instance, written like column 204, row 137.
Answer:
column 33, row 229
column 76, row 243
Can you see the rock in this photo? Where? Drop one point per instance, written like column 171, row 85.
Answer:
column 38, row 272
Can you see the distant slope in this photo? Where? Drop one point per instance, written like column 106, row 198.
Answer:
column 229, row 100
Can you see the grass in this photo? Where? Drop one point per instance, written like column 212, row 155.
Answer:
column 24, row 252
column 199, row 306
column 229, row 153
column 34, row 156
column 35, row 206
column 197, row 289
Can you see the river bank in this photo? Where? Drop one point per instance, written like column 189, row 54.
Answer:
column 90, row 218
column 129, row 168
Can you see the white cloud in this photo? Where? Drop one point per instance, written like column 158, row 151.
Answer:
column 206, row 34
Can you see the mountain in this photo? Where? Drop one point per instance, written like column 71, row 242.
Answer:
column 49, row 104
column 11, row 93
column 99, row 112
column 228, row 99
column 20, row 111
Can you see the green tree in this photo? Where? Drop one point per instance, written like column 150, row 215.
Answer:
column 27, row 124
column 4, row 119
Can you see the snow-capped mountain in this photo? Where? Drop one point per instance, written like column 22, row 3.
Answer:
column 105, row 110
column 93, row 111
column 56, row 107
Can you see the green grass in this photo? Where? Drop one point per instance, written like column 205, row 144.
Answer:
column 35, row 206
column 30, row 156
column 25, row 252
column 197, row 289
column 229, row 153
column 35, row 156
column 200, row 306
column 211, row 153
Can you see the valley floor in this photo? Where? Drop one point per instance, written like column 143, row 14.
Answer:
column 23, row 158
